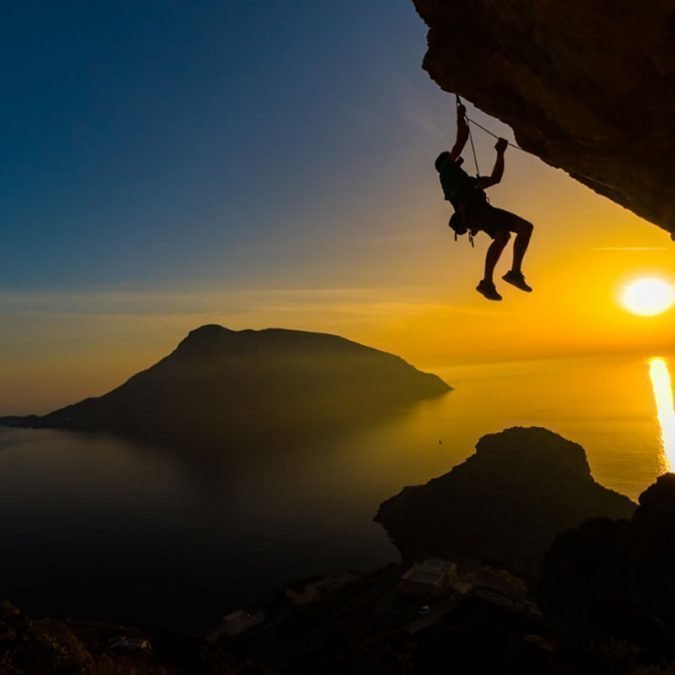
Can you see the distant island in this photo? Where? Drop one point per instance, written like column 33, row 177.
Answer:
column 221, row 386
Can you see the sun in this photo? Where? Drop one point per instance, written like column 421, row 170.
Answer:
column 648, row 296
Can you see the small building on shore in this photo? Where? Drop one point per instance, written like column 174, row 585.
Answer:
column 236, row 623
column 129, row 644
column 306, row 593
column 429, row 579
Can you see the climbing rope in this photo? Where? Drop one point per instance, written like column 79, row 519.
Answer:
column 473, row 146
column 487, row 131
column 473, row 151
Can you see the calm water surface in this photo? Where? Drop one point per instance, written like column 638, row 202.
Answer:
column 97, row 527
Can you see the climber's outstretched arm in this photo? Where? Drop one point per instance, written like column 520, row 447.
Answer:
column 498, row 169
column 462, row 133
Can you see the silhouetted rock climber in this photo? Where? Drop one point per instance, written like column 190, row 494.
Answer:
column 473, row 212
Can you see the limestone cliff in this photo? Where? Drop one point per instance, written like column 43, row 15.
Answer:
column 586, row 85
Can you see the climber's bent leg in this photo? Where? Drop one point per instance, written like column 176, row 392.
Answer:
column 487, row 286
column 499, row 218
column 523, row 230
column 494, row 252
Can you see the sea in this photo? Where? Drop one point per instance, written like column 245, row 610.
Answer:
column 95, row 527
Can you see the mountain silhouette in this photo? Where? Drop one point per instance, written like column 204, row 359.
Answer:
column 223, row 386
column 505, row 504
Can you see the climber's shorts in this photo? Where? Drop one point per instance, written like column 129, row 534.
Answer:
column 491, row 220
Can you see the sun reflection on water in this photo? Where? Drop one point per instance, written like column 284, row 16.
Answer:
column 663, row 394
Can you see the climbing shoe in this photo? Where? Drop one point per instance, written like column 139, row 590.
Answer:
column 518, row 280
column 488, row 290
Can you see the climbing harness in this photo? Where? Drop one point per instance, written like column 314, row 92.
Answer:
column 475, row 154
column 458, row 228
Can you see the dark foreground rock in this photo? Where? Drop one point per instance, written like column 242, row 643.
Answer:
column 227, row 387
column 587, row 86
column 607, row 593
column 505, row 504
column 365, row 627
column 52, row 647
column 611, row 582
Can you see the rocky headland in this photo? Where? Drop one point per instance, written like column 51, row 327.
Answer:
column 504, row 505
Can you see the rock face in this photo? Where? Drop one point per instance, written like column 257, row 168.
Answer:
column 616, row 579
column 504, row 505
column 51, row 647
column 220, row 385
column 47, row 647
column 587, row 85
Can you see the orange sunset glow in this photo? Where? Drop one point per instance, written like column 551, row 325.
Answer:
column 405, row 287
column 337, row 338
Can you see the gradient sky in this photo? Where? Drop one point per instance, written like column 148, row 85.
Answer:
column 171, row 163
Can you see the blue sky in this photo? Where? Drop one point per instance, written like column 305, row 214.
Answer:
column 160, row 142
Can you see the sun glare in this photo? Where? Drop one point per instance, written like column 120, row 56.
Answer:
column 648, row 297
column 663, row 394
